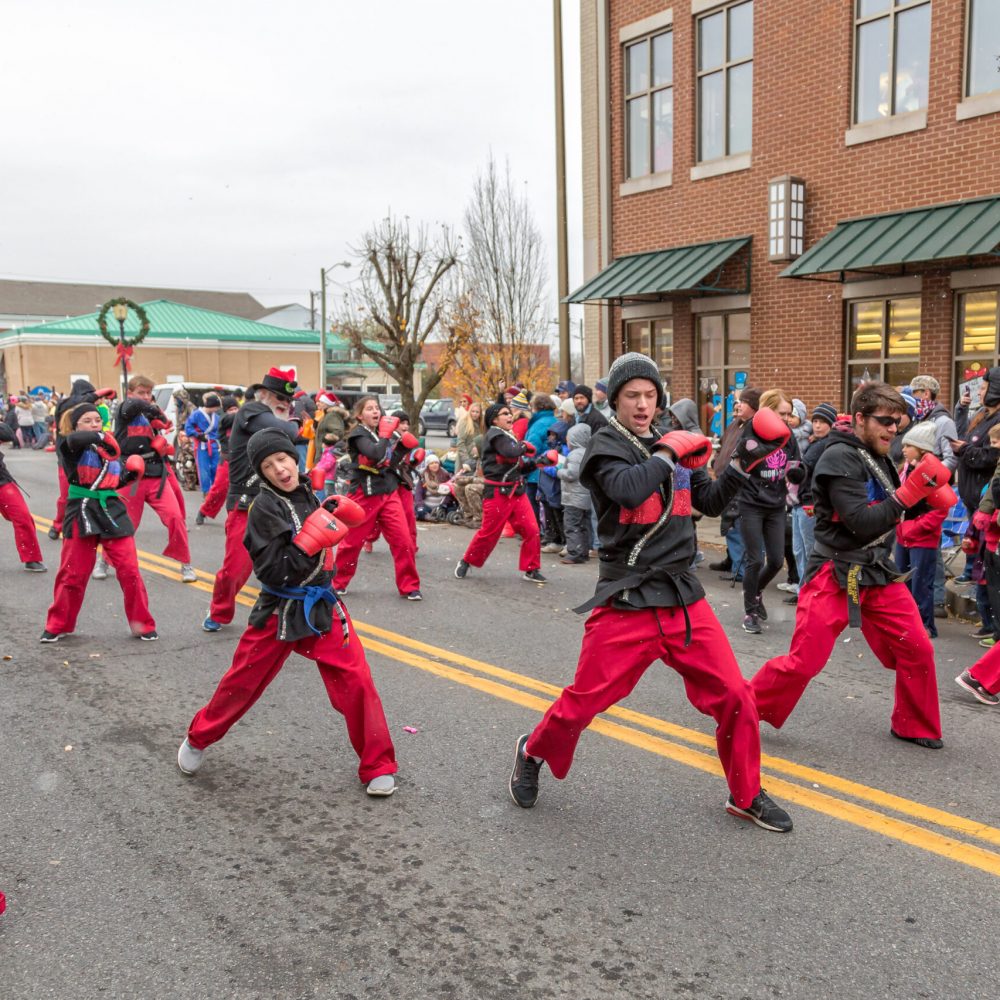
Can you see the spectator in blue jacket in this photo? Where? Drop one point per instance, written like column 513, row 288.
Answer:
column 543, row 416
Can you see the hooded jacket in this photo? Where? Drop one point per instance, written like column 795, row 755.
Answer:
column 574, row 493
column 767, row 486
column 87, row 469
column 686, row 412
column 244, row 483
column 945, row 432
column 538, row 434
column 977, row 460
column 81, row 391
column 370, row 471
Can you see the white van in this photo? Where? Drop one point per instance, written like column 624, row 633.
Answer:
column 163, row 396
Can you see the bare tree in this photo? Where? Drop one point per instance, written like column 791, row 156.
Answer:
column 399, row 301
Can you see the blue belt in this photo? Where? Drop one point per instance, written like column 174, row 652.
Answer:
column 311, row 596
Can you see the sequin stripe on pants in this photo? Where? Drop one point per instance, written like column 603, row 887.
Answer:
column 170, row 512
column 618, row 647
column 14, row 509
column 386, row 513
column 215, row 499
column 75, row 564
column 345, row 673
column 234, row 572
column 891, row 624
column 497, row 511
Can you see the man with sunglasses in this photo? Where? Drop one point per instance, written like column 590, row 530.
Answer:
column 850, row 577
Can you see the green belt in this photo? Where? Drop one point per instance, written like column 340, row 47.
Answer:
column 82, row 493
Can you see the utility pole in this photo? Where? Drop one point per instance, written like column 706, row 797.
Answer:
column 312, row 310
column 322, row 329
column 561, row 233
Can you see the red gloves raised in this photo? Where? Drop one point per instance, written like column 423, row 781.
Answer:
column 943, row 498
column 766, row 433
column 320, row 530
column 136, row 464
column 109, row 448
column 105, row 393
column 927, row 476
column 387, row 426
column 691, row 450
column 317, row 477
column 351, row 513
column 416, row 456
column 408, row 441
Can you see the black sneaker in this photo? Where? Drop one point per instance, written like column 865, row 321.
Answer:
column 52, row 636
column 461, row 569
column 150, row 636
column 763, row 811
column 414, row 595
column 722, row 566
column 199, row 518
column 751, row 624
column 54, row 533
column 928, row 742
column 35, row 567
column 967, row 681
column 793, row 599
column 524, row 778
column 760, row 609
column 533, row 576
column 982, row 632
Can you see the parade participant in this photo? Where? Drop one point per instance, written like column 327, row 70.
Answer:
column 403, row 464
column 95, row 514
column 850, row 577
column 203, row 428
column 290, row 537
column 506, row 462
column 271, row 406
column 139, row 427
column 215, row 499
column 649, row 603
column 982, row 679
column 375, row 487
column 14, row 509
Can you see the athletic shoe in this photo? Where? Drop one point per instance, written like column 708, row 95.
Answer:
column 35, row 567
column 53, row 636
column 789, row 588
column 383, row 785
column 210, row 625
column 982, row 632
column 699, row 558
column 550, row 548
column 100, row 570
column 989, row 642
column 928, row 742
column 150, row 636
column 722, row 566
column 761, row 610
column 199, row 518
column 414, row 595
column 461, row 569
column 523, row 782
column 188, row 575
column 189, row 758
column 54, row 533
column 342, row 592
column 751, row 624
column 794, row 599
column 964, row 578
column 967, row 681
column 570, row 561
column 533, row 576
column 763, row 811
column 729, row 578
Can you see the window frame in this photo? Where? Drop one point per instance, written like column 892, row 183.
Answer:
column 726, row 367
column 884, row 358
column 649, row 94
column 967, row 67
column 726, row 66
column 653, row 353
column 958, row 356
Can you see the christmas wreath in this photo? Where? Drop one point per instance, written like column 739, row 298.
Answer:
column 123, row 345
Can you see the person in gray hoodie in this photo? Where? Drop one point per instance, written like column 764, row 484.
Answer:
column 685, row 415
column 576, row 501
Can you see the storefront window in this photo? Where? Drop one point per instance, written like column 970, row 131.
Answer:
column 984, row 47
column 883, row 342
column 977, row 341
column 723, row 363
column 655, row 339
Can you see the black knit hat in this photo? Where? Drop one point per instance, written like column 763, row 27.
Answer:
column 79, row 410
column 269, row 441
column 211, row 399
column 630, row 366
column 827, row 412
column 228, row 402
column 493, row 411
column 279, row 381
column 584, row 390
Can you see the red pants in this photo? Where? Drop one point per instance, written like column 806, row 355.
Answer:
column 618, row 647
column 215, row 499
column 235, row 571
column 349, row 686
column 986, row 670
column 14, row 509
column 61, row 500
column 167, row 506
column 409, row 512
column 497, row 511
column 75, row 564
column 384, row 512
column 890, row 622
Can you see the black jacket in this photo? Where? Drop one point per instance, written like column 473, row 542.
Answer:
column 135, row 435
column 767, row 487
column 504, row 464
column 370, row 471
column 87, row 516
column 243, row 481
column 976, row 461
column 6, row 434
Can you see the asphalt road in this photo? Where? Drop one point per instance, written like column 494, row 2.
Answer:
column 271, row 874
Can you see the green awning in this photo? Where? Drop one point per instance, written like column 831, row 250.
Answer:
column 680, row 269
column 940, row 232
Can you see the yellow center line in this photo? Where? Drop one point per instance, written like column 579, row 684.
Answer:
column 405, row 650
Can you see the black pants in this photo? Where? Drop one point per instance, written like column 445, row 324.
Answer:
column 762, row 527
column 576, row 521
column 552, row 521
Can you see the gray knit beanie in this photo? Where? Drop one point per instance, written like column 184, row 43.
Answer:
column 630, row 366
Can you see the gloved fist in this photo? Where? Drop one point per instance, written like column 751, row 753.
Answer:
column 105, row 393
column 528, row 450
column 764, row 435
column 136, row 464
column 387, row 426
column 317, row 478
column 351, row 513
column 795, row 473
column 161, row 424
column 320, row 530
column 691, row 450
column 943, row 498
column 160, row 445
column 969, row 545
column 927, row 476
column 416, row 456
column 408, row 441
column 109, row 447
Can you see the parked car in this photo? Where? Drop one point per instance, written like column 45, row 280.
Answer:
column 390, row 401
column 438, row 415
column 163, row 396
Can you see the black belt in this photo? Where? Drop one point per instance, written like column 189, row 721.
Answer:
column 854, row 561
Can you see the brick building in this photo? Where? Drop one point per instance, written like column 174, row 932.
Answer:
column 723, row 139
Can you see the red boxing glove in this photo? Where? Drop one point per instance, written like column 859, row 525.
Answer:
column 943, row 498
column 691, row 450
column 105, row 393
column 416, row 456
column 528, row 450
column 109, row 447
column 351, row 513
column 550, row 457
column 387, row 426
column 160, row 445
column 161, row 425
column 969, row 545
column 980, row 520
column 320, row 530
column 766, row 433
column 927, row 476
column 408, row 441
column 317, row 477
column 137, row 465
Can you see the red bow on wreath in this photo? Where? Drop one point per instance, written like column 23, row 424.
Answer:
column 123, row 352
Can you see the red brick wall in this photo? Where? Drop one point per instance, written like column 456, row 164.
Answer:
column 801, row 106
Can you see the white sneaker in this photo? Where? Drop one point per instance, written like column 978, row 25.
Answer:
column 100, row 570
column 788, row 588
column 188, row 758
column 188, row 574
column 384, row 784
column 551, row 547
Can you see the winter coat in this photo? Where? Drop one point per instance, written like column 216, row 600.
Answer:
column 767, row 487
column 977, row 460
column 538, row 434
column 686, row 413
column 574, row 493
column 592, row 417
column 945, row 432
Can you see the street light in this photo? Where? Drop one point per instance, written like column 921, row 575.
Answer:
column 323, row 272
column 120, row 311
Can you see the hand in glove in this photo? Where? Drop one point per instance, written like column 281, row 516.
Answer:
column 927, row 476
column 764, row 435
column 691, row 450
column 351, row 513
column 109, row 448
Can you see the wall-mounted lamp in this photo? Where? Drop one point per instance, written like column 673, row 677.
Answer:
column 786, row 212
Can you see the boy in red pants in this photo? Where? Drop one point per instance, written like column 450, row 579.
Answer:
column 290, row 537
column 14, row 509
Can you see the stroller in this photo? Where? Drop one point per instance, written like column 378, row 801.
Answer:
column 440, row 506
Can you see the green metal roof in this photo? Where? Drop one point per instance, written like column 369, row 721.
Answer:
column 938, row 232
column 172, row 321
column 680, row 269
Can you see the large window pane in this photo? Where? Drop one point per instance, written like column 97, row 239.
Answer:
column 857, row 375
column 740, row 32
column 872, row 91
column 638, row 67
column 866, row 8
column 904, row 328
column 710, row 403
column 712, row 41
column 738, row 341
column 865, row 340
column 978, row 323
column 740, row 108
column 663, row 338
column 663, row 130
column 901, row 373
column 984, row 46
column 913, row 46
column 663, row 60
column 637, row 337
column 711, row 98
column 710, row 341
column 638, row 136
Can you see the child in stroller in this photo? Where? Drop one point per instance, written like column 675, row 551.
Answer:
column 433, row 495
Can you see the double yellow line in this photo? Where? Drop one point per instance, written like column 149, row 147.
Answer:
column 840, row 798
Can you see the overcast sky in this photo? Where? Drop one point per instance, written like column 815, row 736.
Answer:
column 244, row 146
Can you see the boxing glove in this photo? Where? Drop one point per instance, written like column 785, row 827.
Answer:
column 317, row 478
column 795, row 473
column 980, row 520
column 528, row 450
column 943, row 498
column 408, row 441
column 105, row 393
column 416, row 456
column 387, row 426
column 352, row 514
column 691, row 450
column 161, row 424
column 136, row 464
column 320, row 530
column 927, row 476
column 765, row 434
column 160, row 445
column 109, row 447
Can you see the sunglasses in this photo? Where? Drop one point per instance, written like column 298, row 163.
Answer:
column 886, row 421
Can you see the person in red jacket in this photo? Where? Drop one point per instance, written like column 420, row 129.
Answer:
column 291, row 537
column 918, row 534
column 14, row 509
